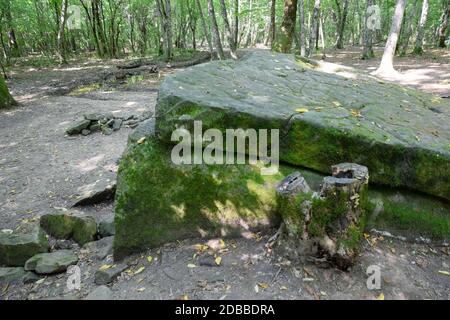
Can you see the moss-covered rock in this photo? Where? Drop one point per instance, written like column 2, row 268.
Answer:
column 6, row 100
column 402, row 135
column 158, row 202
column 82, row 229
column 17, row 248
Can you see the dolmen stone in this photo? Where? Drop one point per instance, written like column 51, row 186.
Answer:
column 326, row 113
column 17, row 248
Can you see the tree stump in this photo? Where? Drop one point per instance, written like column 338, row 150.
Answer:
column 326, row 225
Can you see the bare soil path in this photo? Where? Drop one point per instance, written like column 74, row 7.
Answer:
column 41, row 170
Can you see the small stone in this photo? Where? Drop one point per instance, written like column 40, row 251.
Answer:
column 145, row 129
column 93, row 116
column 16, row 249
column 78, row 126
column 100, row 249
column 100, row 293
column 99, row 191
column 106, row 228
column 63, row 244
column 12, row 275
column 117, row 124
column 107, row 131
column 207, row 261
column 86, row 132
column 49, row 263
column 109, row 275
column 110, row 123
column 95, row 127
column 82, row 229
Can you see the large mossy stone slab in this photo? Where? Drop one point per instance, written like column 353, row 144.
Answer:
column 17, row 248
column 158, row 201
column 402, row 135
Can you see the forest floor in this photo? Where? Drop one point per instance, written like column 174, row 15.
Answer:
column 42, row 169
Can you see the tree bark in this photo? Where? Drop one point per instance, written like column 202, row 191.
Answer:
column 62, row 26
column 443, row 27
column 342, row 22
column 205, row 28
column 387, row 62
column 408, row 29
column 301, row 13
column 284, row 39
column 6, row 100
column 165, row 14
column 418, row 47
column 368, row 34
column 215, row 30
column 313, row 37
column 12, row 40
column 228, row 32
column 236, row 22
column 273, row 21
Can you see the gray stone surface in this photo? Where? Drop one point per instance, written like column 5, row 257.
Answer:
column 100, row 249
column 327, row 114
column 100, row 190
column 16, row 248
column 106, row 228
column 49, row 263
column 78, row 126
column 100, row 293
column 109, row 275
column 145, row 129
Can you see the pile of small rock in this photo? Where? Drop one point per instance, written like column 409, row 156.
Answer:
column 50, row 247
column 105, row 123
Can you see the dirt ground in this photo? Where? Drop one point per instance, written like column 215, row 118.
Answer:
column 41, row 170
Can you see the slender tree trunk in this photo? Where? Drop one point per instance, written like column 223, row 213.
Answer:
column 387, row 62
column 301, row 20
column 272, row 22
column 342, row 22
column 408, row 29
column 442, row 31
column 314, row 28
column 165, row 13
column 368, row 33
column 236, row 22
column 418, row 47
column 12, row 40
column 228, row 32
column 205, row 27
column 62, row 26
column 284, row 38
column 215, row 30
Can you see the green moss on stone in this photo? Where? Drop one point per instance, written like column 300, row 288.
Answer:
column 158, row 201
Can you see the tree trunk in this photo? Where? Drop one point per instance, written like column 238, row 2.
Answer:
column 228, row 32
column 62, row 26
column 215, row 30
column 6, row 100
column 408, row 29
column 284, row 39
column 387, row 63
column 368, row 34
column 272, row 22
column 205, row 28
column 313, row 37
column 301, row 13
column 12, row 40
column 418, row 47
column 164, row 9
column 236, row 22
column 442, row 31
column 342, row 22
